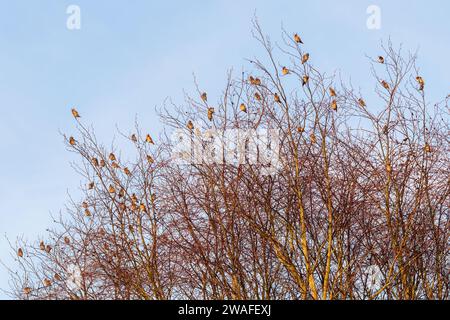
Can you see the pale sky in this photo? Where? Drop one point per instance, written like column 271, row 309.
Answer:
column 129, row 55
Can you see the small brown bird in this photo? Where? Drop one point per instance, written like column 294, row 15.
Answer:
column 66, row 240
column 334, row 105
column 121, row 193
column 134, row 138
column 305, row 58
column 102, row 163
column 20, row 253
column 72, row 141
column 300, row 129
column 297, row 38
column 285, row 71
column 312, row 137
column 150, row 159
column 427, row 148
column 134, row 197
column 257, row 96
column 251, row 80
column 127, row 171
column 112, row 189
column 27, row 290
column 57, row 277
column 91, row 185
column 47, row 283
column 153, row 198
column 142, row 207
column 42, row 246
column 48, row 248
column 381, row 59
column 361, row 103
column 385, row 85
column 388, row 167
column 421, row 82
column 305, row 80
column 243, row 108
column 94, row 162
column 257, row 82
column 87, row 213
column 332, row 92
column 85, row 205
column 75, row 113
column 277, row 98
column 149, row 139
column 190, row 125
column 112, row 157
column 115, row 165
column 210, row 113
column 204, row 97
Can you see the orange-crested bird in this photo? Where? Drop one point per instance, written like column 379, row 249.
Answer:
column 305, row 80
column 297, row 38
column 85, row 205
column 75, row 113
column 427, row 148
column 87, row 213
column 388, row 167
column 421, row 82
column 94, row 162
column 361, row 102
column 66, row 240
column 48, row 248
column 257, row 96
column 190, row 125
column 210, row 113
column 204, row 97
column 102, row 163
column 112, row 157
column 47, row 283
column 385, row 85
column 381, row 59
column 305, row 58
column 149, row 139
column 150, row 159
column 20, row 253
column 42, row 246
column 142, row 207
column 91, row 185
column 332, row 92
column 57, row 277
column 285, row 71
column 127, row 171
column 111, row 189
column 334, row 105
column 277, row 98
column 312, row 137
column 243, row 108
column 115, row 165
column 300, row 129
column 72, row 141
column 27, row 290
column 134, row 138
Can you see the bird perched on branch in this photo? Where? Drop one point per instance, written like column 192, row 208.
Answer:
column 334, row 105
column 305, row 58
column 361, row 103
column 210, row 113
column 427, row 148
column 277, row 98
column 127, row 171
column 134, row 138
column 75, row 113
column 332, row 92
column 305, row 80
column 42, row 246
column 149, row 139
column 257, row 96
column 243, row 108
column 72, row 141
column 204, row 97
column 297, row 38
column 112, row 157
column 385, row 85
column 190, row 125
column 421, row 82
column 20, row 253
column 381, row 59
column 285, row 71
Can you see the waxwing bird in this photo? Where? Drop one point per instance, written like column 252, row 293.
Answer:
column 210, row 113
column 361, row 103
column 112, row 157
column 257, row 96
column 95, row 162
column 42, row 246
column 305, row 80
column 257, row 82
column 66, row 240
column 127, row 171
column 142, row 207
column 149, row 139
column 300, row 129
column 251, row 80
column 243, row 108
column 102, row 163
column 20, row 253
column 72, row 141
column 385, row 85
column 190, row 125
column 115, row 165
column 112, row 189
column 285, row 71
column 134, row 138
column 427, row 148
column 57, row 277
column 75, row 113
column 85, row 205
column 204, row 97
column 87, row 213
column 48, row 248
column 91, row 185
column 305, row 58
column 150, row 159
column 332, row 92
column 312, row 137
column 381, row 59
column 334, row 105
column 297, row 38
column 388, row 167
column 27, row 290
column 47, row 283
column 421, row 82
column 277, row 98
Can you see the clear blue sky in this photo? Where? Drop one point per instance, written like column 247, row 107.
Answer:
column 130, row 55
